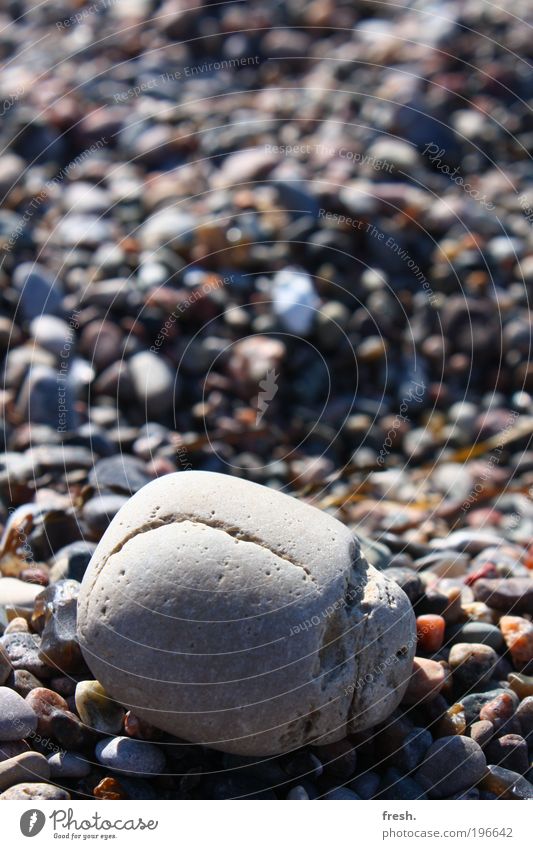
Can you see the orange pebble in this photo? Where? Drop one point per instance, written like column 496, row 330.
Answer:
column 430, row 632
column 518, row 634
column 109, row 788
column 528, row 560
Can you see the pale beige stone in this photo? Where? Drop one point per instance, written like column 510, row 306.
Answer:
column 28, row 766
column 233, row 615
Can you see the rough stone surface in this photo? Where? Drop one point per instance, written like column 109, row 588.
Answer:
column 38, row 791
column 198, row 563
column 23, row 652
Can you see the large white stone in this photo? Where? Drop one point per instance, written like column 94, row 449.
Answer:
column 236, row 616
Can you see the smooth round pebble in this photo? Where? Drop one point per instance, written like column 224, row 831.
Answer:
column 69, row 765
column 452, row 765
column 28, row 766
column 426, row 681
column 476, row 632
column 123, row 754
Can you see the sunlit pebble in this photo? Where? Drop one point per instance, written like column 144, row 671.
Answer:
column 430, row 632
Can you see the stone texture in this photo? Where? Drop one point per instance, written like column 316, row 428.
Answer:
column 156, row 385
column 28, row 766
column 426, row 681
column 507, row 784
column 55, row 612
column 12, row 748
column 518, row 635
column 524, row 714
column 510, row 752
column 451, row 765
column 17, row 719
column 198, row 563
column 38, row 791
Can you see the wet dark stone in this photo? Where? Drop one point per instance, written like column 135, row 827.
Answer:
column 396, row 785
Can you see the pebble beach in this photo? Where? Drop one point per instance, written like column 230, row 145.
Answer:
column 267, row 401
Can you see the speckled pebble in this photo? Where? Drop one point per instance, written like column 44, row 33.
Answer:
column 40, row 792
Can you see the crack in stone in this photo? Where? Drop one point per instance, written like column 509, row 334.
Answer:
column 231, row 531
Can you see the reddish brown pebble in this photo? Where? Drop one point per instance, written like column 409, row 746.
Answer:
column 427, row 679
column 56, row 720
column 109, row 788
column 498, row 711
column 518, row 635
column 430, row 632
column 482, row 731
column 44, row 701
column 135, row 727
